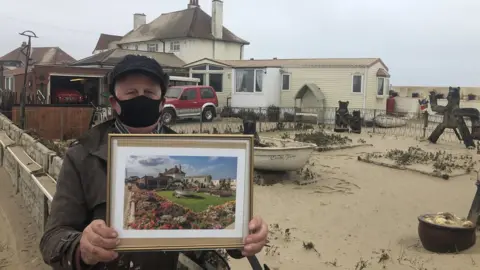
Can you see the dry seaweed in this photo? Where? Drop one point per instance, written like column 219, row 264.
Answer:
column 322, row 138
column 441, row 161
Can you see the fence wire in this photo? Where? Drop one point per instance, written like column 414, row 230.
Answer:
column 271, row 119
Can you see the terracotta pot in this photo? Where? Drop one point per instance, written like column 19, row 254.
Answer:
column 443, row 239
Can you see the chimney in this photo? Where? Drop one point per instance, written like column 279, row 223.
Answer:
column 139, row 19
column 217, row 19
column 193, row 4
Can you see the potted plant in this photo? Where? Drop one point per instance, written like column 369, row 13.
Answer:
column 415, row 95
column 472, row 97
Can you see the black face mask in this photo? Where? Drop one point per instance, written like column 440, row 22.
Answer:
column 139, row 112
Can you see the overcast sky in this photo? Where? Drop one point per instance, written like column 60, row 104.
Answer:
column 423, row 42
column 217, row 167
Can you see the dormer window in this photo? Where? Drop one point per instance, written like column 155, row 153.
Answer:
column 175, row 46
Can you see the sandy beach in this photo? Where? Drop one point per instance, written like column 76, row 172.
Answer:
column 357, row 215
column 362, row 216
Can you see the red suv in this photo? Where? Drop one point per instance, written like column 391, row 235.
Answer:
column 64, row 96
column 190, row 101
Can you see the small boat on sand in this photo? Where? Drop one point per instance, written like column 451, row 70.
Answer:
column 281, row 155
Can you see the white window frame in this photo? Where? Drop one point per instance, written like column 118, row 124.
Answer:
column 361, row 83
column 152, row 47
column 254, row 81
column 289, row 81
column 8, row 83
column 175, row 46
column 386, row 86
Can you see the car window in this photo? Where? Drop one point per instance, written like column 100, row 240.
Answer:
column 189, row 94
column 206, row 93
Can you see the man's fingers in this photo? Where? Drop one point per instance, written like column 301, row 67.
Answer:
column 252, row 249
column 106, row 243
column 100, row 228
column 97, row 254
column 259, row 236
column 255, row 223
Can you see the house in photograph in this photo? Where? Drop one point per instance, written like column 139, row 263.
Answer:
column 154, row 182
column 191, row 34
column 319, row 83
column 176, row 173
column 199, row 179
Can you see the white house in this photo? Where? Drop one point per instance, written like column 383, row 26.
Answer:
column 191, row 34
column 364, row 82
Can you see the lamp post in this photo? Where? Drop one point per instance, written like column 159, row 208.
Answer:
column 23, row 96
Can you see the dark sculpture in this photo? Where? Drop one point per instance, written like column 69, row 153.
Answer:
column 454, row 118
column 250, row 128
column 344, row 121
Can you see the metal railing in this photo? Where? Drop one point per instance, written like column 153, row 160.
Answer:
column 273, row 119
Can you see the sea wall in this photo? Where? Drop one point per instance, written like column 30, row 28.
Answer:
column 32, row 167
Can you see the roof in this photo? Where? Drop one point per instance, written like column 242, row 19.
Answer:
column 174, row 170
column 104, row 40
column 300, row 62
column 187, row 23
column 113, row 56
column 313, row 88
column 40, row 55
column 382, row 73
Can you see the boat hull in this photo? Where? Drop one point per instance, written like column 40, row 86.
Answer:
column 292, row 157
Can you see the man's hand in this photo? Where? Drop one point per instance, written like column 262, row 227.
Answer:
column 258, row 237
column 97, row 243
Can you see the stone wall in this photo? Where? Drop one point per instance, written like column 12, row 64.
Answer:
column 33, row 169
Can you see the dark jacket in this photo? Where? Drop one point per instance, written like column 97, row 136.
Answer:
column 81, row 198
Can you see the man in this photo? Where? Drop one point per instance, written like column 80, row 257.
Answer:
column 76, row 236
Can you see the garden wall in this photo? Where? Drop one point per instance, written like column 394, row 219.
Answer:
column 32, row 167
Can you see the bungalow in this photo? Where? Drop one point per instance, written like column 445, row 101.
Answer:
column 364, row 82
column 176, row 173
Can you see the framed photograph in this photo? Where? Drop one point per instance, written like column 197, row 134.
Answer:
column 179, row 192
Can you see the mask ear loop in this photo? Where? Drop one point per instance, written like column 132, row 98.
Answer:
column 164, row 87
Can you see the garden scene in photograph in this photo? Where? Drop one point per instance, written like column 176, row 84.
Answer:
column 180, row 192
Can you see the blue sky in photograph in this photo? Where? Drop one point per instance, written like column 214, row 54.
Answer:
column 216, row 166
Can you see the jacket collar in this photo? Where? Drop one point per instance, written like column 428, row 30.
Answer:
column 95, row 140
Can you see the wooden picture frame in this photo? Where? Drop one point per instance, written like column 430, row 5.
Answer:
column 158, row 198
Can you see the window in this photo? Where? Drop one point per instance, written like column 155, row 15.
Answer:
column 258, row 80
column 189, row 94
column 8, row 83
column 357, row 83
column 248, row 80
column 175, row 46
column 200, row 76
column 383, row 86
column 152, row 47
column 206, row 93
column 212, row 67
column 286, row 82
column 216, row 82
column 202, row 67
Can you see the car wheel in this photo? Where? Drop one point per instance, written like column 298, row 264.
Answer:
column 208, row 114
column 168, row 116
